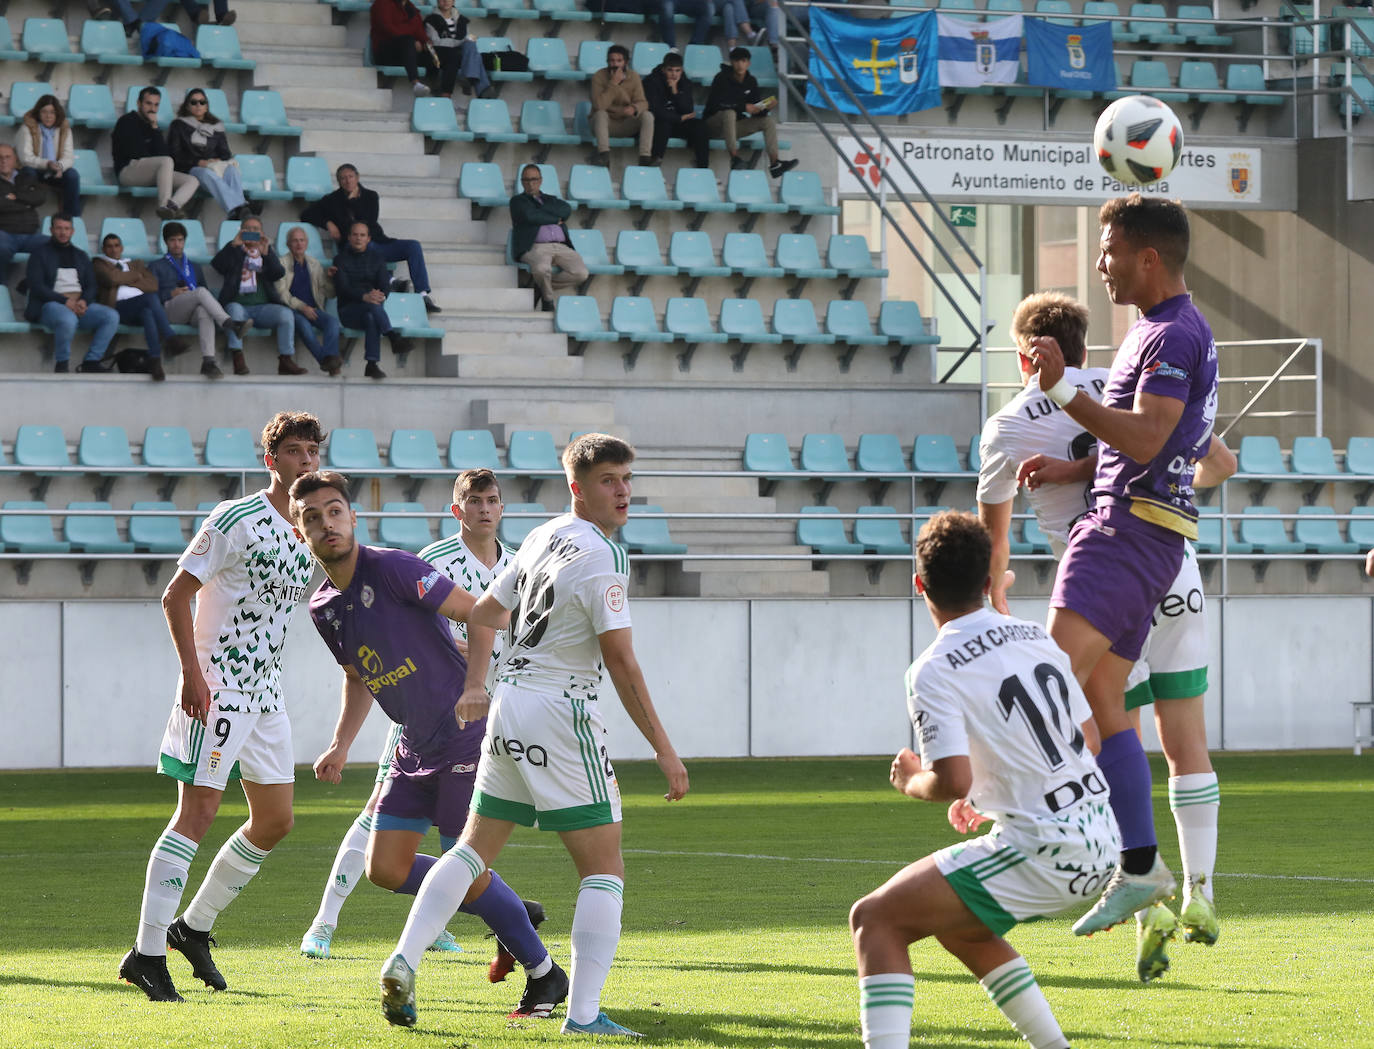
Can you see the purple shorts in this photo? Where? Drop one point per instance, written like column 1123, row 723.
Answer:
column 440, row 796
column 1116, row 570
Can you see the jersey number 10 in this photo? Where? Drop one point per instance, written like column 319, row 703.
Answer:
column 1013, row 696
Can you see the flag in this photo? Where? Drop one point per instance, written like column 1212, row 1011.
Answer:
column 891, row 64
column 976, row 53
column 1078, row 58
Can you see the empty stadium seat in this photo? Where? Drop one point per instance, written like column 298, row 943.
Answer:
column 353, row 449
column 478, row 181
column 97, row 534
column 8, row 52
column 935, row 453
column 168, row 448
column 643, row 535
column 406, row 311
column 155, row 535
column 848, row 255
column 591, row 55
column 103, row 446
column 489, row 120
column 646, row 55
column 880, row 531
column 1313, row 455
column 46, row 39
column 413, row 450
column 1361, row 529
column 91, row 105
column 848, row 321
column 1106, row 9
column 1159, row 33
column 542, row 121
column 592, row 247
column 1249, row 76
column 698, row 190
column 1267, row 536
column 93, row 183
column 644, row 188
column 562, row 10
column 1199, row 77
column 219, row 46
column 801, row 191
column 260, row 177
column 1034, row 537
column 744, row 254
column 880, row 453
column 632, row 317
column 1151, row 77
column 580, row 317
column 1056, row 8
column 1359, row 456
column 691, row 252
column 824, row 453
column 514, row 528
column 701, row 63
column 825, row 537
column 590, row 186
column 548, row 58
column 219, row 106
column 308, row 177
column 1260, row 454
column 404, row 533
column 901, row 322
column 532, row 452
column 1198, row 33
column 742, row 320
column 231, row 448
column 1318, row 530
column 472, row 450
column 29, row 534
column 638, row 251
column 768, row 453
column 689, row 321
column 749, row 190
column 265, row 113
column 799, row 256
column 795, row 320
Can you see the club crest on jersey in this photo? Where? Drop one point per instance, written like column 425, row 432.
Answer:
column 425, row 585
column 213, row 763
column 615, row 597
column 367, row 596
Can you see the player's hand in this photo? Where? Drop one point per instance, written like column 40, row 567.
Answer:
column 329, row 765
column 472, row 705
column 1047, row 358
column 462, row 647
column 963, row 817
column 195, row 697
column 1041, row 469
column 675, row 772
column 905, row 766
column 998, row 594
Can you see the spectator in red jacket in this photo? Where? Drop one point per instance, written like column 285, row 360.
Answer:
column 399, row 39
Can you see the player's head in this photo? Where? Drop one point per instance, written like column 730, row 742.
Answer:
column 953, row 554
column 477, row 503
column 1050, row 313
column 1144, row 246
column 291, row 445
column 599, row 472
column 323, row 515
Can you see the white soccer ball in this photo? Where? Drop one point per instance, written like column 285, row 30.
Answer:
column 1138, row 140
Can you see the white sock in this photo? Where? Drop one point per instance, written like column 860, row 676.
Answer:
column 163, row 885
column 1013, row 989
column 238, row 860
column 1195, row 800
column 595, row 936
column 440, row 896
column 886, row 1001
column 347, row 870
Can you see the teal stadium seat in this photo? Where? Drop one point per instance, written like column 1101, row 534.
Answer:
column 1056, row 9
column 404, row 533
column 29, row 534
column 638, row 252
column 744, row 254
column 231, row 448
column 102, row 447
column 848, row 321
column 1102, row 10
column 795, row 320
column 646, row 55
column 700, row 64
column 9, row 324
column 879, row 530
column 825, row 453
column 1359, row 456
column 591, row 55
column 219, row 46
column 1314, row 456
column 512, row 9
column 93, row 183
column 881, row 454
column 1267, row 536
column 132, row 233
column 1005, row 7
column 478, row 181
column 489, row 120
column 1198, row 33
column 1260, row 454
column 1161, row 33
column 1318, row 530
column 1249, row 77
column 650, row 536
column 1208, row 530
column 532, row 452
column 503, row 43
column 514, row 528
column 39, row 447
column 590, row 186
column 308, row 177
column 413, row 450
column 260, row 177
column 936, row 453
column 825, row 537
column 472, row 450
column 1151, row 77
column 902, row 323
column 95, row 534
column 799, row 256
column 590, row 244
column 762, row 67
column 689, row 321
column 265, row 113
column 8, row 52
column 691, row 252
column 644, row 188
column 168, row 448
column 768, row 454
column 848, row 255
column 166, row 111
column 92, row 106
column 1034, row 538
column 353, row 450
column 749, row 190
column 46, row 39
column 698, row 191
column 1199, row 76
column 23, row 95
column 406, row 311
column 579, row 316
column 219, row 106
column 548, row 59
column 742, row 321
column 542, row 121
column 562, row 10
column 963, row 9
column 175, row 61
column 155, row 535
column 633, row 318
column 975, row 458
column 1361, row 530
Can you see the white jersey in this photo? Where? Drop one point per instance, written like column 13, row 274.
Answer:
column 567, row 584
column 254, row 572
column 1032, row 424
column 452, row 557
column 999, row 690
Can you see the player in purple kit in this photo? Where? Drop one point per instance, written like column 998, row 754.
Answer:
column 384, row 615
column 1154, row 424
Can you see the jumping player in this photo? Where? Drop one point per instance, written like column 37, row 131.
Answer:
column 246, row 570
column 1004, row 733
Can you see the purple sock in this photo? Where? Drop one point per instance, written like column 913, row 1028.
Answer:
column 418, row 870
column 1127, row 771
column 506, row 916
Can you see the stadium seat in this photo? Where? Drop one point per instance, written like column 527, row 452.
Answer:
column 644, row 188
column 1314, row 456
column 638, row 252
column 849, row 256
column 825, row 453
column 633, row 318
column 81, row 237
column 1267, row 536
column 479, row 182
column 749, row 190
column 1359, row 456
column 646, row 55
column 9, row 324
column 513, row 529
column 880, row 453
column 1318, row 530
column 24, row 93
column 219, row 46
column 265, row 113
column 219, row 106
column 39, row 447
column 175, row 61
column 406, row 311
column 847, row 320
column 532, row 452
column 799, row 256
column 1160, row 33
column 503, row 43
column 761, row 67
column 168, row 448
column 825, row 537
column 698, row 191
column 29, row 534
column 579, row 316
column 103, row 446
column 562, row 11
column 975, row 459
column 132, row 233
column 46, row 39
column 1198, row 33
column 700, row 64
column 592, row 247
column 935, row 453
column 92, row 106
column 308, row 177
column 1007, row 7
column 591, row 55
column 542, row 121
column 260, row 177
column 1056, row 7
column 489, row 120
column 965, row 9
column 1209, row 530
column 1151, row 77
column 1034, row 537
column 1249, row 76
column 93, row 183
column 795, row 320
column 801, row 191
column 352, row 450
column 590, row 186
column 1260, row 455
column 94, row 534
column 880, row 531
column 768, row 453
column 361, row 534
column 8, row 52
column 404, row 533
column 742, row 320
column 512, row 9
column 642, row 535
column 472, row 450
column 413, row 450
column 231, row 448
column 1200, row 79
column 1100, row 10
column 691, row 252
column 744, row 254
column 166, row 111
column 689, row 321
column 155, row 535
column 548, row 58
column 1361, row 529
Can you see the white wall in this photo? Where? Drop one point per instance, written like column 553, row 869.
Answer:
column 91, row 683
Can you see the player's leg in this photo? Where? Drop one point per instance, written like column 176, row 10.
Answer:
column 349, row 864
column 1195, row 800
column 596, row 922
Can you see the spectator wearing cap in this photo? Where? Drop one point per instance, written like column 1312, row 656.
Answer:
column 736, row 106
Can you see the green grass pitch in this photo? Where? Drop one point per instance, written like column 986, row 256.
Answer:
column 735, row 921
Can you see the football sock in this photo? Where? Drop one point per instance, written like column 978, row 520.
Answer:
column 1013, row 989
column 238, row 860
column 441, row 895
column 506, row 916
column 163, row 885
column 595, row 936
column 886, row 1001
column 1127, row 772
column 1195, row 800
column 418, row 870
column 347, row 870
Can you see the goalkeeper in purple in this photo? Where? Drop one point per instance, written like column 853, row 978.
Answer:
column 385, row 616
column 1153, row 426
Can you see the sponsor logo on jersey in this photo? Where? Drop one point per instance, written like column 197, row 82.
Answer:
column 518, row 750
column 1167, row 371
column 615, row 597
column 368, row 596
column 426, row 584
column 202, row 543
column 379, row 677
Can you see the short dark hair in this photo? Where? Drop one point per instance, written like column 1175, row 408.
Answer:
column 470, row 481
column 593, row 449
column 313, row 482
column 953, row 553
column 149, row 90
column 344, row 167
column 283, row 425
column 61, row 216
column 617, row 49
column 1150, row 222
column 531, row 167
column 672, row 60
column 1051, row 313
column 737, row 53
column 173, row 229
column 109, row 237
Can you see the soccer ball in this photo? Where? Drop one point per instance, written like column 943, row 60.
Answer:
column 1138, row 140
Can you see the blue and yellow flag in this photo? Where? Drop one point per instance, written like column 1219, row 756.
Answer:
column 891, row 64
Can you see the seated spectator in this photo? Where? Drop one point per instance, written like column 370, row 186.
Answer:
column 62, row 297
column 353, row 202
column 251, row 269
column 619, row 106
column 736, row 106
column 361, row 279
column 47, row 150
column 669, row 92
column 399, row 39
column 540, row 239
column 304, row 289
column 141, row 157
column 457, row 52
column 131, row 289
column 200, row 148
column 187, row 300
column 736, row 16
column 198, row 13
column 21, row 194
column 703, row 11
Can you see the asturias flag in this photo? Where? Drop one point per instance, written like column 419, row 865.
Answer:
column 891, row 64
column 1078, row 58
column 976, row 53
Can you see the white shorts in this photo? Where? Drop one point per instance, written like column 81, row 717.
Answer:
column 1173, row 663
column 233, row 745
column 388, row 753
column 1003, row 885
column 544, row 763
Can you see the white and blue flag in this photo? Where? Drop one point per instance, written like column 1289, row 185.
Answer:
column 976, row 53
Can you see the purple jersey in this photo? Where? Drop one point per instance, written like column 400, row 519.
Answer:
column 386, row 626
column 1169, row 352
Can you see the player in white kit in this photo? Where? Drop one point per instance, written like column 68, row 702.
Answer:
column 1005, row 734
column 1032, row 437
column 544, row 759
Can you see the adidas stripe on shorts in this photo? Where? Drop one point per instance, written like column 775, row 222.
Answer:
column 251, row 745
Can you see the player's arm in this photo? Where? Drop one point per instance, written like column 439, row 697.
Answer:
column 618, row 656
column 1042, row 469
column 996, row 518
column 176, row 607
column 486, row 616
column 948, row 779
column 1216, row 466
column 355, row 703
column 458, row 605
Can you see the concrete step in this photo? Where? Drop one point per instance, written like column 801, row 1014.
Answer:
column 283, row 12
column 414, row 166
column 554, row 416
column 409, row 204
column 431, row 231
column 507, row 322
column 359, row 99
column 395, row 143
column 501, row 366
column 548, row 347
column 458, row 299
column 473, row 277
column 286, row 34
column 742, row 580
column 295, row 74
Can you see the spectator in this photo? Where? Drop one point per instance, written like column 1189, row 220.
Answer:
column 251, row 269
column 619, row 106
column 141, row 157
column 353, row 202
column 304, row 289
column 669, row 92
column 20, row 197
column 456, row 51
column 736, row 15
column 186, row 299
column 47, row 151
column 540, row 239
column 62, row 294
column 702, row 11
column 399, row 38
column 736, row 107
column 361, row 279
column 131, row 289
column 152, row 12
column 200, row 148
